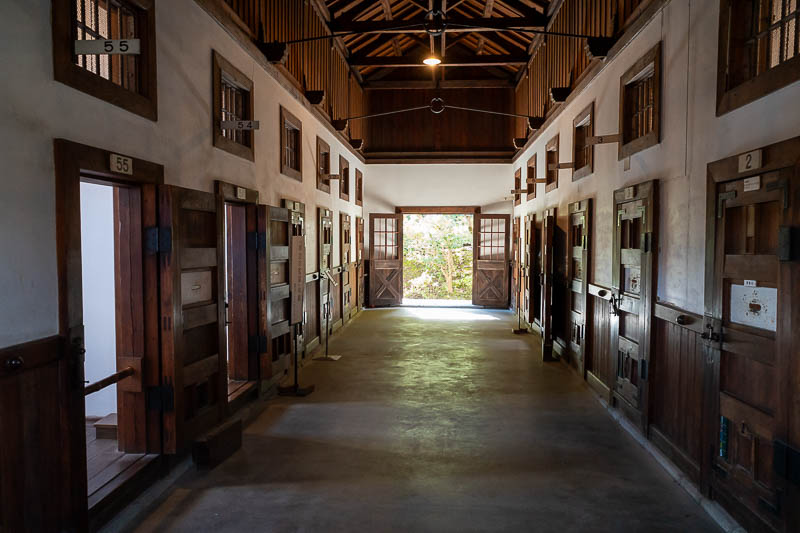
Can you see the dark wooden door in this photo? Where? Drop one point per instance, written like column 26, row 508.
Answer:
column 324, row 265
column 359, row 299
column 279, row 303
column 346, row 261
column 533, row 262
column 193, row 393
column 751, row 337
column 43, row 436
column 236, row 291
column 385, row 259
column 633, row 283
column 577, row 279
column 516, row 281
column 490, row 260
column 547, row 281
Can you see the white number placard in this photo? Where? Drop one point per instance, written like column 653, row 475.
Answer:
column 240, row 124
column 107, row 46
column 121, row 164
column 750, row 161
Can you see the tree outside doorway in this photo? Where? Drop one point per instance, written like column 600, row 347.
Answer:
column 437, row 257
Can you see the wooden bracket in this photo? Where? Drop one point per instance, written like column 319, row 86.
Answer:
column 559, row 95
column 519, row 142
column 315, row 97
column 602, row 139
column 536, row 180
column 357, row 144
column 598, row 47
column 519, row 191
column 560, row 166
column 339, row 125
column 131, row 383
column 329, row 177
column 535, row 123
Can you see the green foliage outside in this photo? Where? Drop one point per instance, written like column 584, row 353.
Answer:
column 437, row 257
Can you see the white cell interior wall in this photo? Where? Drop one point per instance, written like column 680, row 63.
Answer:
column 36, row 109
column 99, row 311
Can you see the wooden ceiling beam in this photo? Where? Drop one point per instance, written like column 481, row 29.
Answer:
column 444, row 84
column 483, row 24
column 475, row 61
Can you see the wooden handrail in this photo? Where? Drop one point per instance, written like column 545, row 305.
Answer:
column 116, row 377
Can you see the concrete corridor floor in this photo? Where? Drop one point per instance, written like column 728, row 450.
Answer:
column 433, row 420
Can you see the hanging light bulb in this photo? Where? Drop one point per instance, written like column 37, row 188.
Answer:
column 432, row 61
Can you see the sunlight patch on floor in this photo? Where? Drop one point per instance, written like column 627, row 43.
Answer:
column 442, row 313
column 430, row 302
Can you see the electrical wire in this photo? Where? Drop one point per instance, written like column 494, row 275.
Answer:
column 443, row 107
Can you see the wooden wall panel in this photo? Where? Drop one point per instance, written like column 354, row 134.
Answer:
column 313, row 66
column 452, row 130
column 598, row 339
column 559, row 61
column 677, row 394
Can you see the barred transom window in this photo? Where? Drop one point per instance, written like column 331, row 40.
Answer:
column 234, row 103
column 640, row 105
column 108, row 19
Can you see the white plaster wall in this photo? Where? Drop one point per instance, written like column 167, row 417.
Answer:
column 35, row 109
column 692, row 137
column 99, row 310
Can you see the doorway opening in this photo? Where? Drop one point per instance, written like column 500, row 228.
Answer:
column 437, row 260
column 240, row 310
column 113, row 318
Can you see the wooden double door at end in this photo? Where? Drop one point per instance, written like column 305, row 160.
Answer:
column 752, row 339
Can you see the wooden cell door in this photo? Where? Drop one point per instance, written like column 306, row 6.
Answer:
column 577, row 279
column 237, row 301
column 533, row 262
column 490, row 260
column 324, row 266
column 751, row 336
column 193, row 393
column 633, row 284
column 279, row 303
column 42, row 436
column 346, row 260
column 359, row 285
column 385, row 259
column 547, row 282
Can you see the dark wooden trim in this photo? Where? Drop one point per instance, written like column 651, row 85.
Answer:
column 287, row 116
column 220, row 66
column 344, row 178
column 775, row 156
column 32, row 354
column 359, row 188
column 443, row 84
column 582, row 172
column 653, row 56
column 66, row 71
column 72, row 161
column 323, row 184
column 552, row 146
column 502, row 60
column 438, row 210
column 229, row 193
column 455, row 24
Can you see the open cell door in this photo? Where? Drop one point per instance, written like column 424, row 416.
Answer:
column 633, row 283
column 533, row 262
column 751, row 337
column 515, row 264
column 193, row 392
column 547, row 282
column 386, row 259
column 490, row 260
column 325, row 266
column 577, row 279
column 359, row 299
column 346, row 261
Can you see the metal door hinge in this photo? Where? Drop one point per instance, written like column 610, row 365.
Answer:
column 256, row 240
column 643, row 369
column 157, row 239
column 780, row 184
column 647, row 242
column 160, row 398
column 257, row 344
column 788, row 243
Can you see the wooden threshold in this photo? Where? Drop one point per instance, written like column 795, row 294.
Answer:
column 239, row 392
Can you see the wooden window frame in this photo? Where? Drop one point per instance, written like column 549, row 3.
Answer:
column 359, row 188
column 518, row 186
column 344, row 178
column 531, row 175
column 552, row 146
column 323, row 184
column 756, row 87
column 651, row 57
column 220, row 66
column 68, row 72
column 294, row 173
column 583, row 116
